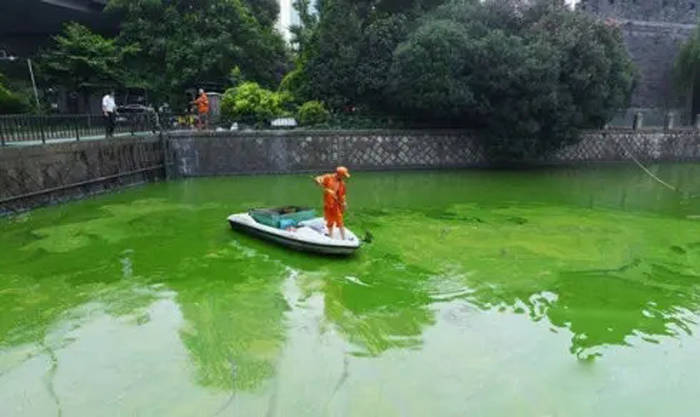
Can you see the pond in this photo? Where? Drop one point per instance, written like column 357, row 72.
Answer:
column 549, row 292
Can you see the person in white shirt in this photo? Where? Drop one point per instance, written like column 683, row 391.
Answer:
column 109, row 109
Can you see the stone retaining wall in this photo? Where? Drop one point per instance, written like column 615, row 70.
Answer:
column 226, row 153
column 32, row 176
column 622, row 144
column 39, row 175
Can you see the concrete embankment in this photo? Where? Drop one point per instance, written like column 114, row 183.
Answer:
column 32, row 176
column 230, row 153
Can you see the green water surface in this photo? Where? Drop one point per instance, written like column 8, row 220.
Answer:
column 558, row 292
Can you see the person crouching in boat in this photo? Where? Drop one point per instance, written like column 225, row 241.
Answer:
column 334, row 203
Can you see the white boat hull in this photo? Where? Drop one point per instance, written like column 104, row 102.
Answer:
column 309, row 236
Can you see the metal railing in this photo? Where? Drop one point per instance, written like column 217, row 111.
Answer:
column 75, row 127
column 70, row 127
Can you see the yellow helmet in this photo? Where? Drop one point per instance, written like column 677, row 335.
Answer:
column 343, row 172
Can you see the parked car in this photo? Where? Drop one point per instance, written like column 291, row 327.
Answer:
column 138, row 117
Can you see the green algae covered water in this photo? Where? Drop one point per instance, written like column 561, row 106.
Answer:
column 567, row 292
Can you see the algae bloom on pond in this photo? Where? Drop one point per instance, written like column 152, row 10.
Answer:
column 572, row 292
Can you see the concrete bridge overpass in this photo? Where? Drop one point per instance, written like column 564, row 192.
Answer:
column 26, row 25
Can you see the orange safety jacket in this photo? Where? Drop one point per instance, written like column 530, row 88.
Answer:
column 202, row 103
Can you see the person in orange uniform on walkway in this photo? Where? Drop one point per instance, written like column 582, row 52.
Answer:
column 334, row 203
column 202, row 103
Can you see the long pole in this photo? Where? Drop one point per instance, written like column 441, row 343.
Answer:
column 36, row 93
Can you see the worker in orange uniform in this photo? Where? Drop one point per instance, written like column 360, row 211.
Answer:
column 202, row 103
column 334, row 203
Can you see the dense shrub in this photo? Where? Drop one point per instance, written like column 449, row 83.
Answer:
column 250, row 103
column 312, row 113
column 10, row 103
column 178, row 44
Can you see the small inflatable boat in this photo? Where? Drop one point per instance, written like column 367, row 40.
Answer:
column 296, row 228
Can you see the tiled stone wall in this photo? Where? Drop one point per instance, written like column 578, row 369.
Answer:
column 38, row 175
column 226, row 153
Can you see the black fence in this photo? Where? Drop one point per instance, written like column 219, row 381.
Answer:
column 75, row 127
column 71, row 127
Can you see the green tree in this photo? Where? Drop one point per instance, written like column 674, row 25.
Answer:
column 80, row 58
column 346, row 48
column 426, row 69
column 296, row 82
column 265, row 11
column 185, row 44
column 530, row 76
column 380, row 39
column 303, row 32
column 330, row 64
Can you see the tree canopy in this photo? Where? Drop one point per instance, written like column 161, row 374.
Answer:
column 167, row 46
column 265, row 11
column 80, row 58
column 346, row 47
column 528, row 75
